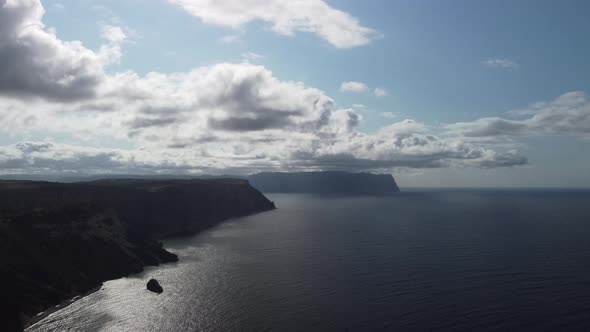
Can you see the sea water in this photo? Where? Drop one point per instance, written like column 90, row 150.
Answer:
column 461, row 260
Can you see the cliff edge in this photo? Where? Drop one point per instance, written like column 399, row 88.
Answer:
column 59, row 240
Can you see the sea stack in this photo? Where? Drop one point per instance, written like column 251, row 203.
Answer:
column 154, row 286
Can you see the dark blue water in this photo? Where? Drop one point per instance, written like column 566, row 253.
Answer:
column 426, row 260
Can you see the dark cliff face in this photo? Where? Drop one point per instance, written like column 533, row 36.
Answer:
column 162, row 208
column 324, row 182
column 58, row 240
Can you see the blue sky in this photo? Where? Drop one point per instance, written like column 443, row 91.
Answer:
column 431, row 53
column 458, row 70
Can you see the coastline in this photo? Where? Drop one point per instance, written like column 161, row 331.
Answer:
column 44, row 314
column 80, row 235
column 28, row 322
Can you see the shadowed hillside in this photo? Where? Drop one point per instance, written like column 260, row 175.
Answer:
column 58, row 240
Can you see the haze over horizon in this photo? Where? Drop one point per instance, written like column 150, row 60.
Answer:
column 439, row 94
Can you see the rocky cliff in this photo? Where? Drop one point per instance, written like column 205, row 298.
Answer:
column 324, row 182
column 58, row 240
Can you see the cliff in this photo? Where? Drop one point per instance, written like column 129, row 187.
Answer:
column 324, row 182
column 58, row 240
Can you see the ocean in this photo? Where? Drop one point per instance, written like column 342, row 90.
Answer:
column 445, row 260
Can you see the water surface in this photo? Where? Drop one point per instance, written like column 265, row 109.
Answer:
column 443, row 260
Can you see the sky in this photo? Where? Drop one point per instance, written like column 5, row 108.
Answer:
column 439, row 93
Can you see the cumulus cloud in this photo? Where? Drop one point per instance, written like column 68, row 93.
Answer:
column 404, row 144
column 35, row 63
column 352, row 86
column 113, row 33
column 286, row 17
column 569, row 114
column 500, row 63
column 225, row 117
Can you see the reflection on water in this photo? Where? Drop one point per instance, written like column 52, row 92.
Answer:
column 414, row 261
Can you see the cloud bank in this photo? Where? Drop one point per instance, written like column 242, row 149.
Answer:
column 223, row 118
column 569, row 114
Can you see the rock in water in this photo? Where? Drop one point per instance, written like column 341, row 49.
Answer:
column 154, row 286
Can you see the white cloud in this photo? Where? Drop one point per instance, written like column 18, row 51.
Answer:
column 569, row 114
column 500, row 63
column 380, row 92
column 225, row 117
column 286, row 17
column 405, row 144
column 114, row 34
column 352, row 86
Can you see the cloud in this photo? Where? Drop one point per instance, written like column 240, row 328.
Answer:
column 269, row 120
column 221, row 118
column 39, row 156
column 35, row 63
column 146, row 122
column 500, row 63
column 569, row 114
column 286, row 17
column 380, row 92
column 114, row 34
column 48, row 157
column 352, row 86
column 405, row 144
column 395, row 146
column 489, row 127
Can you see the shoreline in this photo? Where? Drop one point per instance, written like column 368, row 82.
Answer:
column 28, row 322
column 64, row 304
